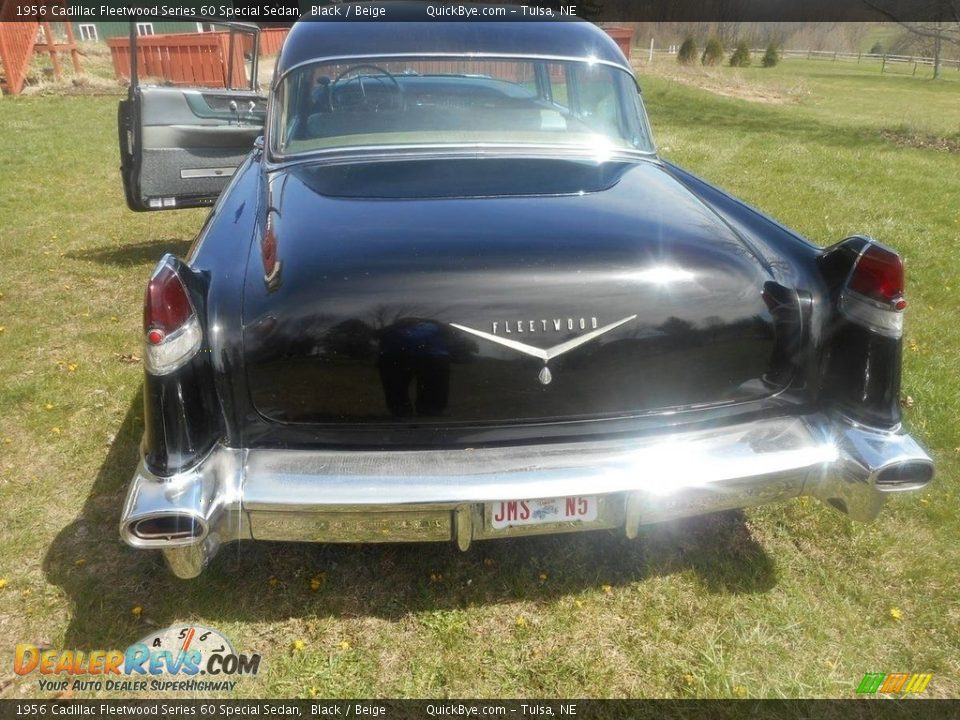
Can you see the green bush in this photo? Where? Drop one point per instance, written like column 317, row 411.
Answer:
column 772, row 56
column 712, row 53
column 741, row 55
column 688, row 52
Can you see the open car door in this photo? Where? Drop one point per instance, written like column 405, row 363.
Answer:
column 191, row 116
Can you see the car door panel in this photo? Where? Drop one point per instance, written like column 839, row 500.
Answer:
column 179, row 146
column 188, row 157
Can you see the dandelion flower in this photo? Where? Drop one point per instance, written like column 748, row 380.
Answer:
column 740, row 691
column 3, row 329
column 55, row 430
column 71, row 367
column 896, row 614
column 48, row 406
column 344, row 645
column 607, row 588
column 521, row 621
column 80, row 562
column 315, row 584
column 689, row 679
column 136, row 611
column 298, row 645
column 3, row 583
column 312, row 692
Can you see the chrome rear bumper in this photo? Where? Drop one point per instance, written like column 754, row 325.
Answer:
column 443, row 495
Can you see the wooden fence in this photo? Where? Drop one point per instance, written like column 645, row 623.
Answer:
column 271, row 40
column 16, row 50
column 197, row 59
column 884, row 59
column 20, row 41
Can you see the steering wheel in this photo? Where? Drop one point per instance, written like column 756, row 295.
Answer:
column 341, row 101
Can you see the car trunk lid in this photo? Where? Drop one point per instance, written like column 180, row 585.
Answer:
column 511, row 291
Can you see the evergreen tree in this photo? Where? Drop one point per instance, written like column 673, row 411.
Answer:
column 772, row 56
column 741, row 55
column 688, row 51
column 712, row 53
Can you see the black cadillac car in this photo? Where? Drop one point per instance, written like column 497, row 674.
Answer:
column 448, row 291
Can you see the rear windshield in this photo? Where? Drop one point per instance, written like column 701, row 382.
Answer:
column 457, row 101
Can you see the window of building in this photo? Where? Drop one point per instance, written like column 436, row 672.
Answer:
column 88, row 31
column 144, row 28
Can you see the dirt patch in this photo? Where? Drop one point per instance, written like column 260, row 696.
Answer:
column 80, row 85
column 919, row 140
column 726, row 84
column 95, row 78
column 751, row 94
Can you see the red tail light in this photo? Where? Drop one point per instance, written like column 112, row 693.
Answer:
column 873, row 296
column 171, row 328
column 878, row 275
column 166, row 307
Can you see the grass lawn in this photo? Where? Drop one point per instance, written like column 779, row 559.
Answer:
column 783, row 601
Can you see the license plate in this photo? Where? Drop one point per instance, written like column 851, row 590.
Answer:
column 510, row 513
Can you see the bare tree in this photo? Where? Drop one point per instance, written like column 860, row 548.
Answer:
column 945, row 27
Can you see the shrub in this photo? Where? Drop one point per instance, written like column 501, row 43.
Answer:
column 772, row 56
column 688, row 52
column 877, row 49
column 741, row 55
column 712, row 53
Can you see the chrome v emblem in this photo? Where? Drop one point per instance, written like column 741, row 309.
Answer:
column 545, row 354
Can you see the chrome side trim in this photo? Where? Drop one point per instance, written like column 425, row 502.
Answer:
column 444, row 495
column 414, row 151
column 321, row 59
column 207, row 172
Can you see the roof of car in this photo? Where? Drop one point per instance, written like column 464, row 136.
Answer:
column 317, row 38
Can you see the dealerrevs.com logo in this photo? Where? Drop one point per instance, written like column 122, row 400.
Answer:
column 178, row 659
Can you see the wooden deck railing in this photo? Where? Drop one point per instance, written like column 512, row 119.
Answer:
column 199, row 59
column 16, row 50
